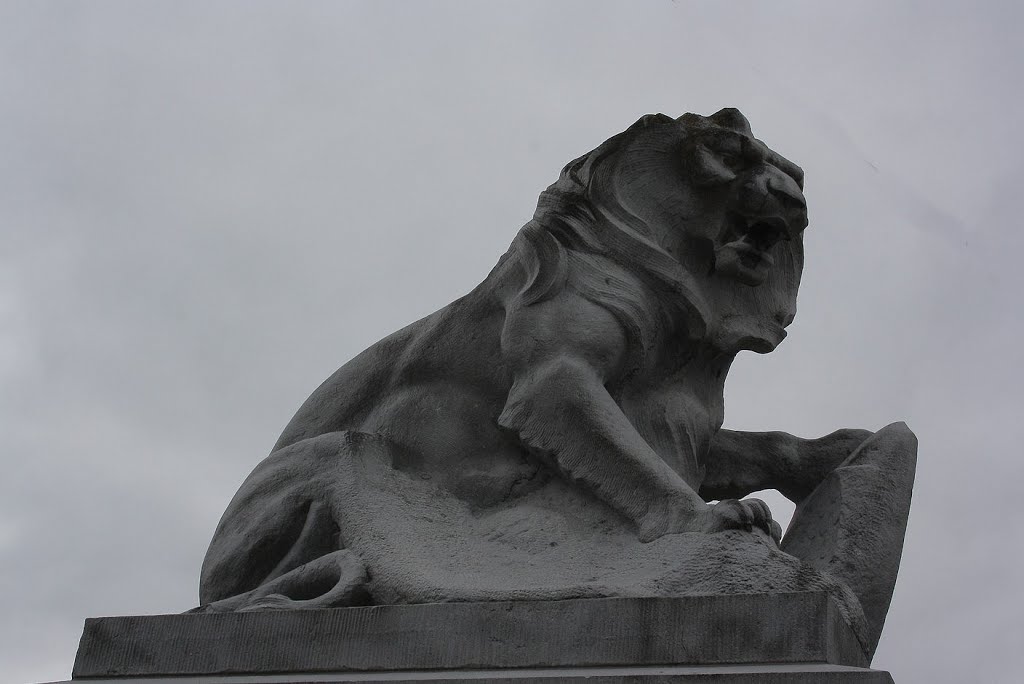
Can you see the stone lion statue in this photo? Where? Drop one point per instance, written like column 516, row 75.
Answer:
column 556, row 432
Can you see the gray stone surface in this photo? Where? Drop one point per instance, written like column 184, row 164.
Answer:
column 556, row 432
column 801, row 673
column 793, row 629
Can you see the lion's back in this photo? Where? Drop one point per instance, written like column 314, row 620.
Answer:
column 455, row 349
column 348, row 395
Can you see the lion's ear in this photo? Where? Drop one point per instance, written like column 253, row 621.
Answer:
column 732, row 119
column 648, row 120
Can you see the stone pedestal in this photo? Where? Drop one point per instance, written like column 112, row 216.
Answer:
column 762, row 638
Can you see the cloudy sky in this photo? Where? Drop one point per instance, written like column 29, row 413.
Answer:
column 205, row 208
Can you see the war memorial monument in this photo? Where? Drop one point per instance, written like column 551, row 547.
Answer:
column 532, row 483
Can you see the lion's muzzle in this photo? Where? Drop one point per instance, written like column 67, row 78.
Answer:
column 770, row 209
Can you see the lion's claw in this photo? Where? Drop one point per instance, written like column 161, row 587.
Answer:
column 746, row 514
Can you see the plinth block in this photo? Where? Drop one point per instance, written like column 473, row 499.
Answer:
column 798, row 637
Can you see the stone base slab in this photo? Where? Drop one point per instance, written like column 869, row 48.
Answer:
column 806, row 673
column 797, row 637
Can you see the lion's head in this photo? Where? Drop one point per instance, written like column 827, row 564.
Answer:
column 705, row 213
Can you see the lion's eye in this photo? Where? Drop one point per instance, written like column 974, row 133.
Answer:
column 730, row 151
column 731, row 160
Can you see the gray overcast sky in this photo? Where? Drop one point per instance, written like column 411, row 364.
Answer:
column 208, row 207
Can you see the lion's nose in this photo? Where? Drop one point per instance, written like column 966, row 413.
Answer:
column 770, row 192
column 784, row 318
column 786, row 191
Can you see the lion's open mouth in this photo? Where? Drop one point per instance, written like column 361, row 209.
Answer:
column 747, row 256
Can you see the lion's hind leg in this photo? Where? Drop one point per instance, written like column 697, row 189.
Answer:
column 278, row 543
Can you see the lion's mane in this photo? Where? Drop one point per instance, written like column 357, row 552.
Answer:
column 580, row 225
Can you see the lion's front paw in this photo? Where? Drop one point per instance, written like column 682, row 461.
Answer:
column 745, row 514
